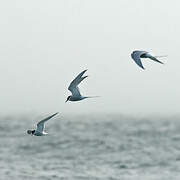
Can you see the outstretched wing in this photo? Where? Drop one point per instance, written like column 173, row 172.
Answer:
column 73, row 87
column 40, row 125
column 154, row 58
column 136, row 56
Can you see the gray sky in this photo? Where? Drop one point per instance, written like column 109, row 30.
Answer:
column 45, row 44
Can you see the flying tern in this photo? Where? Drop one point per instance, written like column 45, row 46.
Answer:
column 137, row 55
column 39, row 131
column 73, row 87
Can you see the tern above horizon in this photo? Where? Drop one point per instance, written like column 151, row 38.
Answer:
column 73, row 87
column 137, row 55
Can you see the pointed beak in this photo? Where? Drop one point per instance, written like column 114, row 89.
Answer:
column 66, row 101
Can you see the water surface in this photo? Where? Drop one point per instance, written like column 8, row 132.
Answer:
column 89, row 147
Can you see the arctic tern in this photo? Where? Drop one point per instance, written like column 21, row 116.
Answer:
column 39, row 131
column 137, row 55
column 73, row 87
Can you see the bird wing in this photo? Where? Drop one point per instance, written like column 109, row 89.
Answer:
column 154, row 58
column 73, row 87
column 40, row 125
column 136, row 56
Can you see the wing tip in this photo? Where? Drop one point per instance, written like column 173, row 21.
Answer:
column 54, row 114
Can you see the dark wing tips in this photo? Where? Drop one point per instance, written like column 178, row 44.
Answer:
column 155, row 59
column 52, row 115
column 143, row 68
column 83, row 78
column 56, row 113
column 81, row 74
column 159, row 61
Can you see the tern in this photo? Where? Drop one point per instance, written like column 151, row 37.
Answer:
column 39, row 131
column 73, row 87
column 137, row 55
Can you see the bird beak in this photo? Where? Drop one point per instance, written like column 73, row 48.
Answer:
column 66, row 101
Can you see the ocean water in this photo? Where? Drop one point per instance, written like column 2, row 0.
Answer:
column 110, row 147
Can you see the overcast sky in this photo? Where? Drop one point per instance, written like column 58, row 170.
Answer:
column 44, row 44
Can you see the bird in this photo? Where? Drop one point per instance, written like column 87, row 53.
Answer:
column 137, row 55
column 73, row 87
column 39, row 131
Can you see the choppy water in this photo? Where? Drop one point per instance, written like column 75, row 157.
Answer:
column 91, row 148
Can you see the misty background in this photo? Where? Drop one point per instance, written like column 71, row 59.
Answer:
column 45, row 44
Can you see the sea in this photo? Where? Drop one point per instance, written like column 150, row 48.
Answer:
column 90, row 147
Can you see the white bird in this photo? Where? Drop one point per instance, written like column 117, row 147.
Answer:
column 73, row 87
column 137, row 55
column 39, row 131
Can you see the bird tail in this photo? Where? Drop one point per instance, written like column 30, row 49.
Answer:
column 161, row 56
column 92, row 96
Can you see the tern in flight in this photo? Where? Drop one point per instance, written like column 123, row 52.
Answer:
column 73, row 87
column 39, row 131
column 137, row 55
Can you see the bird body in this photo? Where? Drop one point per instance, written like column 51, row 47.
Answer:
column 37, row 133
column 77, row 98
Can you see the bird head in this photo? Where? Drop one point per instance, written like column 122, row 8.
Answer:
column 31, row 132
column 67, row 99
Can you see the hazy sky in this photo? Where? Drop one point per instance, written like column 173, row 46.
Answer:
column 44, row 44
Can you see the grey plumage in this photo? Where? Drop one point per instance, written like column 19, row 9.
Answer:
column 137, row 55
column 39, row 131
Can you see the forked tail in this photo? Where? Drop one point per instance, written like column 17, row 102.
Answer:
column 92, row 96
column 161, row 56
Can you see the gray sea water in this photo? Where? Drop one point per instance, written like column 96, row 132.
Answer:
column 90, row 148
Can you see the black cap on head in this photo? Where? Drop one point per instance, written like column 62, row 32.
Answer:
column 67, row 99
column 29, row 131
